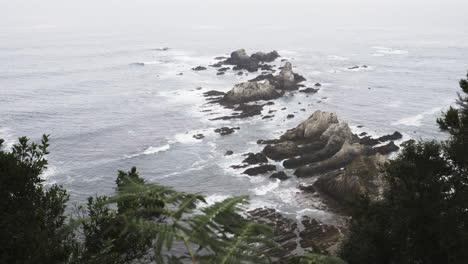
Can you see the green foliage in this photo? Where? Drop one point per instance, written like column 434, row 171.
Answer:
column 31, row 216
column 155, row 222
column 310, row 258
column 423, row 216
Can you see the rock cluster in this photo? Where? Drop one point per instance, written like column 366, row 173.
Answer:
column 252, row 63
column 322, row 146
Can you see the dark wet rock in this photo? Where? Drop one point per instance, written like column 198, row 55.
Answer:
column 223, row 69
column 308, row 90
column 303, row 110
column 281, row 150
column 266, row 57
column 263, row 77
column 363, row 134
column 281, row 175
column 249, row 92
column 295, row 236
column 270, row 103
column 362, row 175
column 226, row 130
column 262, row 169
column 290, row 116
column 213, row 93
column 368, row 141
column 220, row 58
column 198, row 136
column 287, row 79
column 198, row 88
column 386, row 149
column 318, row 235
column 360, row 126
column 229, row 153
column 220, row 73
column 180, row 73
column 240, row 73
column 354, row 67
column 307, row 188
column 199, row 68
column 273, row 141
column 241, row 166
column 252, row 63
column 137, row 64
column 364, row 66
column 245, row 111
column 284, row 108
column 268, row 116
column 317, row 85
column 395, row 136
column 346, row 155
column 255, row 158
column 217, row 65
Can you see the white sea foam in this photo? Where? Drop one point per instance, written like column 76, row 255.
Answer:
column 215, row 198
column 264, row 189
column 385, row 50
column 416, row 120
column 50, row 171
column 150, row 150
column 338, row 58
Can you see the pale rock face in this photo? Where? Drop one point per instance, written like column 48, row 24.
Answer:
column 313, row 127
column 287, row 75
column 251, row 91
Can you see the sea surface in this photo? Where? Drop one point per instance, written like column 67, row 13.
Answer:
column 115, row 99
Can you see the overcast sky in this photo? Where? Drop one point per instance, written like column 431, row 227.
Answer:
column 88, row 13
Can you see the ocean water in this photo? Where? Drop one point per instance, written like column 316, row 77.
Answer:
column 114, row 99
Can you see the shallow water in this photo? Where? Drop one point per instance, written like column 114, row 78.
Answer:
column 112, row 100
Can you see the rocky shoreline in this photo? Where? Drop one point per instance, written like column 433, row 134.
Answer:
column 342, row 164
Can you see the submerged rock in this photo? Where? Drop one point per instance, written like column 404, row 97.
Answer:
column 229, row 153
column 199, row 68
column 198, row 136
column 262, row 169
column 226, row 130
column 281, row 175
column 309, row 90
column 255, row 158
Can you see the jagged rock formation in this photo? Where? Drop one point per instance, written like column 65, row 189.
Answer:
column 252, row 63
column 287, row 79
column 249, row 92
column 322, row 146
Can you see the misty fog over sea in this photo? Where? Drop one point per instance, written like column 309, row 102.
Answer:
column 111, row 96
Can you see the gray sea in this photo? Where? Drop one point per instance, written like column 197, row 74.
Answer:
column 113, row 99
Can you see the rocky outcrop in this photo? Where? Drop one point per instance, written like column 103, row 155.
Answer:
column 324, row 147
column 252, row 63
column 249, row 92
column 255, row 158
column 360, row 176
column 281, row 151
column 285, row 80
column 265, row 57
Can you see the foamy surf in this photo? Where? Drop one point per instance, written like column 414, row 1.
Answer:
column 262, row 190
column 416, row 120
column 150, row 150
